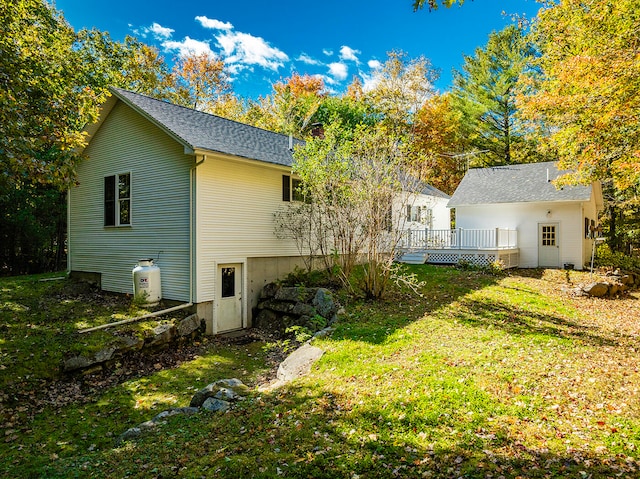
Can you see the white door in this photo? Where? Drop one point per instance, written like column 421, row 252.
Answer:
column 229, row 294
column 548, row 245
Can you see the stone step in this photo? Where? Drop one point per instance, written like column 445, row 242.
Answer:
column 414, row 258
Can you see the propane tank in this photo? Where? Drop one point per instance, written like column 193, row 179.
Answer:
column 146, row 282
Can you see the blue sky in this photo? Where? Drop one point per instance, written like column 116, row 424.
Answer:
column 263, row 42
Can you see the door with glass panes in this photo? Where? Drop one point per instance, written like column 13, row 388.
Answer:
column 548, row 245
column 229, row 294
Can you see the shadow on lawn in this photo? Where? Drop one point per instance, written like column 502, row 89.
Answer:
column 329, row 435
column 342, row 439
column 519, row 322
column 375, row 321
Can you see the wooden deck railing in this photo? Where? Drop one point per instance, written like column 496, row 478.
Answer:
column 497, row 238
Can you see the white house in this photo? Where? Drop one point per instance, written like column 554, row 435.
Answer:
column 195, row 192
column 554, row 226
column 425, row 209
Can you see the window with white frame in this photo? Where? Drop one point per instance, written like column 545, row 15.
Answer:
column 117, row 200
column 420, row 214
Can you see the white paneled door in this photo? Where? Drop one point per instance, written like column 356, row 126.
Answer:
column 229, row 294
column 548, row 245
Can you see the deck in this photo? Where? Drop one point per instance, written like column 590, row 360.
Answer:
column 481, row 247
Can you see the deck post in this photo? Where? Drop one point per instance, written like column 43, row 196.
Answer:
column 497, row 244
column 459, row 239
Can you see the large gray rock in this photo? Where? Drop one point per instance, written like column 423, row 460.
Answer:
column 324, row 303
column 299, row 362
column 295, row 294
column 188, row 325
column 597, row 290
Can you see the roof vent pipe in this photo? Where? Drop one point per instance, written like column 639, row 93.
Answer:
column 548, row 180
column 290, row 142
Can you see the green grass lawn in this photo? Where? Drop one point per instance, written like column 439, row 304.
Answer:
column 482, row 376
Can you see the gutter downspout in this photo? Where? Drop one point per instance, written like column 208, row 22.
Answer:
column 192, row 222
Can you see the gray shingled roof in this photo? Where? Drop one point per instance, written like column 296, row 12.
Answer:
column 433, row 191
column 515, row 184
column 204, row 131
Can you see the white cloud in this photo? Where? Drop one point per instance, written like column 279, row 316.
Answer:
column 374, row 64
column 338, row 70
column 161, row 32
column 349, row 54
column 188, row 46
column 246, row 49
column 157, row 30
column 369, row 82
column 214, row 24
column 304, row 58
column 327, row 52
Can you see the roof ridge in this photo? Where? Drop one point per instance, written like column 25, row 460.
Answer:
column 167, row 102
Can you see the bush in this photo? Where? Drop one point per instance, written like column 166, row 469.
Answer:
column 605, row 258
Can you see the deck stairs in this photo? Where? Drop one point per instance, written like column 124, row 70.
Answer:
column 414, row 257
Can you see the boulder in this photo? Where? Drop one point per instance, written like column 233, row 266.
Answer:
column 188, row 325
column 225, row 389
column 597, row 290
column 163, row 334
column 216, row 405
column 299, row 362
column 324, row 303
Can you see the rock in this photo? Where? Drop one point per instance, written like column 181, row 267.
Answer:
column 225, row 389
column 311, row 308
column 130, row 433
column 188, row 325
column 299, row 362
column 128, row 343
column 76, row 362
column 278, row 306
column 226, row 394
column 186, row 411
column 295, row 294
column 269, row 290
column 323, row 302
column 265, row 319
column 104, row 355
column 597, row 290
column 162, row 335
column 304, row 309
column 216, row 405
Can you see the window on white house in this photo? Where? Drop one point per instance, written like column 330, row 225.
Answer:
column 117, row 200
column 420, row 214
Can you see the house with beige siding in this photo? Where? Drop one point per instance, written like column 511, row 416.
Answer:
column 195, row 192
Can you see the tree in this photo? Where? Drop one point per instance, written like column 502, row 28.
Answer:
column 434, row 4
column 201, row 81
column 485, row 93
column 585, row 92
column 440, row 143
column 401, row 87
column 291, row 107
column 587, row 89
column 350, row 178
column 43, row 103
column 130, row 64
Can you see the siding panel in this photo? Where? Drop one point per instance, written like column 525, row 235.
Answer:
column 126, row 142
column 236, row 203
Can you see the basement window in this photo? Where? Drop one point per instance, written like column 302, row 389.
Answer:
column 117, row 200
